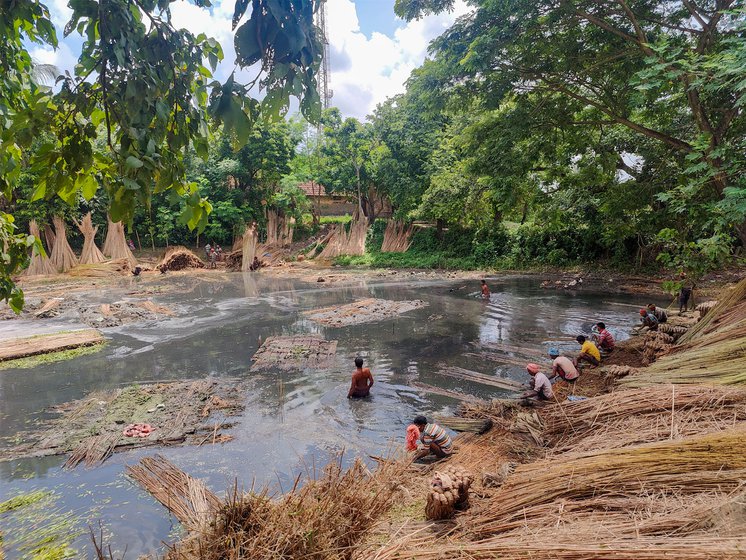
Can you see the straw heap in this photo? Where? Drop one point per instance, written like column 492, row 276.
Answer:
column 40, row 263
column 62, row 257
column 179, row 258
column 721, row 314
column 90, row 253
column 323, row 518
column 248, row 247
column 397, row 238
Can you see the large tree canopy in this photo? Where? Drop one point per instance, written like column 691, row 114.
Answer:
column 147, row 89
column 663, row 71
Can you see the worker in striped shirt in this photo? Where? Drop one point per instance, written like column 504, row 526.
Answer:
column 434, row 438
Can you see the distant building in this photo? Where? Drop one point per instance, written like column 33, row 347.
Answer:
column 327, row 204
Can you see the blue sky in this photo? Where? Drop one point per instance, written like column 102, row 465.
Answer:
column 372, row 51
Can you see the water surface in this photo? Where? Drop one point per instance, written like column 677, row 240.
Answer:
column 293, row 420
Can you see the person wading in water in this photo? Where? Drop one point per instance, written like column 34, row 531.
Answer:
column 362, row 381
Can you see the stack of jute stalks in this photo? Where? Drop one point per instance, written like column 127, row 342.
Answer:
column 40, row 263
column 655, row 501
column 397, row 238
column 614, row 480
column 449, row 489
column 342, row 241
column 325, row 518
column 715, row 358
column 636, row 416
column 730, row 309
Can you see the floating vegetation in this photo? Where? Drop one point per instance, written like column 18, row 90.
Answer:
column 36, row 528
column 33, row 361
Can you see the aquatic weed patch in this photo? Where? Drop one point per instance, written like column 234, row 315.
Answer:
column 35, row 527
column 64, row 355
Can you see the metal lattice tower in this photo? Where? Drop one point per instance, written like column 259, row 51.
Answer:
column 325, row 92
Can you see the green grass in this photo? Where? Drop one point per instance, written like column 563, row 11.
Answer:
column 430, row 261
column 346, row 219
column 39, row 359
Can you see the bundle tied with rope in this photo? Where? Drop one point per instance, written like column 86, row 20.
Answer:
column 656, row 344
column 449, row 490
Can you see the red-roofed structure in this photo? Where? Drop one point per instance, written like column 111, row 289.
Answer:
column 312, row 188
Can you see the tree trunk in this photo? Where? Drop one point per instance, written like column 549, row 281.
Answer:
column 439, row 225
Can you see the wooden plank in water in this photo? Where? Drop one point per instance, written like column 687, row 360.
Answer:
column 466, row 374
column 458, row 424
column 446, row 393
column 44, row 344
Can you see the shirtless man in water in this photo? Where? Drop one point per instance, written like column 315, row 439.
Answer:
column 362, row 381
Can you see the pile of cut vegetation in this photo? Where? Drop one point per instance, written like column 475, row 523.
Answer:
column 366, row 310
column 91, row 429
column 179, row 258
column 325, row 518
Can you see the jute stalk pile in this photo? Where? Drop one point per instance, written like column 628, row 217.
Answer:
column 62, row 257
column 115, row 245
column 721, row 314
column 636, row 416
column 90, row 253
column 324, row 518
column 279, row 229
column 449, row 489
column 187, row 498
column 615, row 479
column 397, row 238
column 656, row 344
column 344, row 242
column 248, row 247
column 40, row 263
column 179, row 258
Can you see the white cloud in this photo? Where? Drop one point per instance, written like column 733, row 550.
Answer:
column 364, row 70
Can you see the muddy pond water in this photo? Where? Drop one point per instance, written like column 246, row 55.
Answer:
column 293, row 421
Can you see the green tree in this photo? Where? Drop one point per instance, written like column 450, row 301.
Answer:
column 146, row 87
column 663, row 71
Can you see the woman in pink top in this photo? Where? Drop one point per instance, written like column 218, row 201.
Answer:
column 562, row 366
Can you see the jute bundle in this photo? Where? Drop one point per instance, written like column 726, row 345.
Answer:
column 90, row 253
column 40, row 263
column 718, row 313
column 705, row 307
column 714, row 462
column 656, row 344
column 616, row 371
column 279, row 229
column 397, row 238
column 179, row 258
column 344, row 242
column 248, row 247
column 636, row 416
column 62, row 257
column 115, row 245
column 674, row 331
column 186, row 497
column 449, row 489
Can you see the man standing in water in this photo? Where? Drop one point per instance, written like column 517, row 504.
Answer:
column 485, row 290
column 362, row 381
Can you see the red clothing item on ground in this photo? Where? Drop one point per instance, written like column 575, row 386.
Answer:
column 413, row 436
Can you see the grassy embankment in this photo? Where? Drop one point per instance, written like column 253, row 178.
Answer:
column 509, row 246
